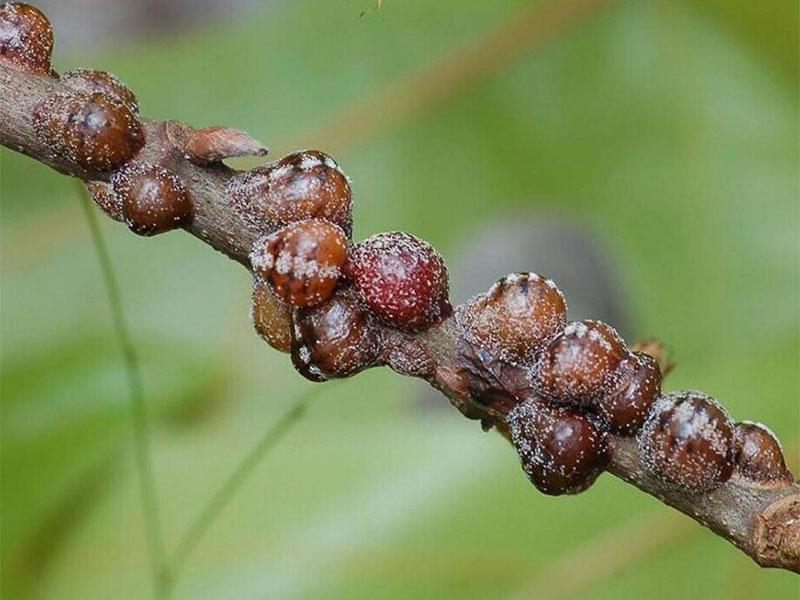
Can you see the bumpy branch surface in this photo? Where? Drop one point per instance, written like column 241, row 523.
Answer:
column 764, row 522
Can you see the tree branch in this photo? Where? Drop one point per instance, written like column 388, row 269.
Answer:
column 763, row 521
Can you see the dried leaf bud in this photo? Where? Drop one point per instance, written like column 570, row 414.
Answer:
column 213, row 144
column 687, row 441
column 302, row 261
column 302, row 185
column 335, row 339
column 90, row 81
column 271, row 318
column 401, row 278
column 26, row 38
column 104, row 197
column 575, row 366
column 97, row 132
column 154, row 199
column 758, row 455
column 561, row 451
column 634, row 387
column 516, row 317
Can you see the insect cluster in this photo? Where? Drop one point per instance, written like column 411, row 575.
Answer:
column 94, row 122
column 587, row 387
column 340, row 307
column 317, row 294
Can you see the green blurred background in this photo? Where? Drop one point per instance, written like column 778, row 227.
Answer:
column 661, row 135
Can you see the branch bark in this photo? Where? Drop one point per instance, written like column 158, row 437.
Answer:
column 764, row 522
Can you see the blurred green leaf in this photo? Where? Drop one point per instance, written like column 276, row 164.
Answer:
column 770, row 26
column 65, row 413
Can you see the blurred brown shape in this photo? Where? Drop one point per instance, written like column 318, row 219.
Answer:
column 656, row 348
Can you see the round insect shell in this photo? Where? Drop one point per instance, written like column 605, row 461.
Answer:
column 687, row 442
column 633, row 388
column 95, row 131
column 302, row 185
column 154, row 199
column 271, row 318
column 560, row 449
column 105, row 198
column 335, row 339
column 758, row 456
column 516, row 317
column 302, row 261
column 91, row 81
column 26, row 38
column 401, row 278
column 577, row 366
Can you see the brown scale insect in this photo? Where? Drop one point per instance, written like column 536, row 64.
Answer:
column 633, row 388
column 154, row 199
column 104, row 197
column 516, row 317
column 758, row 455
column 561, row 450
column 687, row 441
column 271, row 318
column 335, row 339
column 302, row 261
column 90, row 81
column 576, row 366
column 26, row 38
column 95, row 131
column 303, row 185
column 401, row 278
